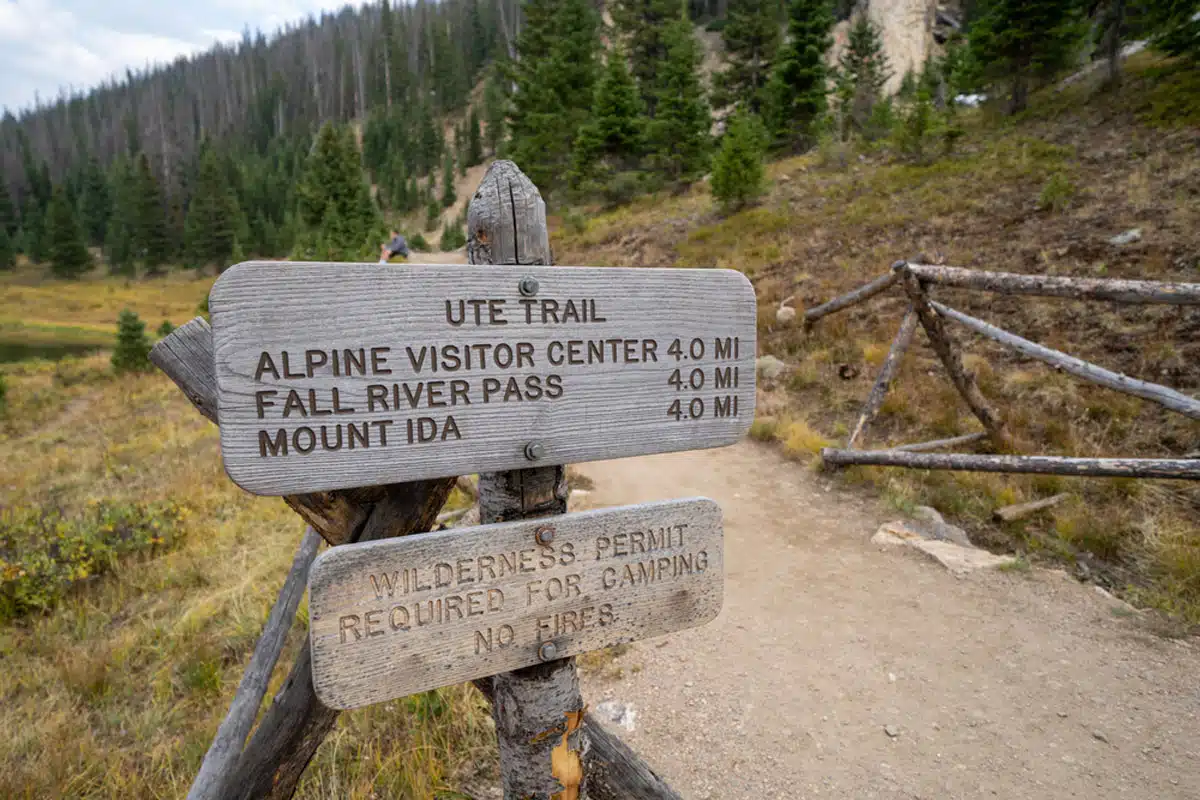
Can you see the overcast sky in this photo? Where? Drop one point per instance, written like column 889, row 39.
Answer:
column 47, row 44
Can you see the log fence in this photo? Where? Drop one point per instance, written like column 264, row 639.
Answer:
column 917, row 281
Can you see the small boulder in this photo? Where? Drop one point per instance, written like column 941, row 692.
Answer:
column 928, row 514
column 785, row 315
column 618, row 714
column 769, row 368
column 1128, row 237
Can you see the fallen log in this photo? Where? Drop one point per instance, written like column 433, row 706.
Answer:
column 1176, row 468
column 1164, row 396
column 1021, row 510
column 850, row 298
column 1115, row 290
column 891, row 364
column 938, row 444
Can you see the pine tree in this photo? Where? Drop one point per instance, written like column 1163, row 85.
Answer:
column 643, row 24
column 1017, row 41
column 433, row 213
column 678, row 136
column 737, row 176
column 555, row 77
column 132, row 353
column 862, row 72
column 8, row 214
column 337, row 215
column 1175, row 27
column 69, row 256
column 95, row 202
column 118, row 237
column 474, row 140
column 8, row 254
column 213, row 215
column 34, row 242
column 149, row 227
column 613, row 138
column 448, row 194
column 495, row 110
column 752, row 36
column 799, row 86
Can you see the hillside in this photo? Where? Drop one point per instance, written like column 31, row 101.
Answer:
column 839, row 217
column 135, row 576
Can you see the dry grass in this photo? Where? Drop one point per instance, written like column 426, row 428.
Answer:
column 116, row 694
column 831, row 224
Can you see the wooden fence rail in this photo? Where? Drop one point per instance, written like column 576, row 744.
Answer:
column 1164, row 396
column 1184, row 468
column 851, row 298
column 1111, row 289
column 916, row 280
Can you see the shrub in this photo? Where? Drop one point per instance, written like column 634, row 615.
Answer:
column 3, row 394
column 914, row 126
column 43, row 553
column 1057, row 194
column 452, row 238
column 737, row 176
column 132, row 353
column 418, row 243
column 166, row 329
column 622, row 187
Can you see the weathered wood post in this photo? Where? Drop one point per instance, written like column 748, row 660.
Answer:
column 891, row 365
column 533, row 707
column 962, row 378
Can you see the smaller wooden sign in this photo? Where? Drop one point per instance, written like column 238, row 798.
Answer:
column 395, row 617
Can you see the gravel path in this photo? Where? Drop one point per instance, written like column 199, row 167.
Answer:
column 840, row 670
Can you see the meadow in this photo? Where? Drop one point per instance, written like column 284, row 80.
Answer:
column 154, row 575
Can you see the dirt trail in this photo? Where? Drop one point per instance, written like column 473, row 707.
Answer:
column 1011, row 685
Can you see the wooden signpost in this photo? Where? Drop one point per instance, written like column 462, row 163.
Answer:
column 360, row 391
column 425, row 371
column 391, row 618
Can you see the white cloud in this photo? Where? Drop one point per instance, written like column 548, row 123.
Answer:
column 48, row 45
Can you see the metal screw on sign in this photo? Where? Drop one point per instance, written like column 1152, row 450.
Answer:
column 544, row 534
column 535, row 451
column 528, row 286
column 548, row 651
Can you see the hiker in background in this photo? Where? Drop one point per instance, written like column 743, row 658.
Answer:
column 396, row 247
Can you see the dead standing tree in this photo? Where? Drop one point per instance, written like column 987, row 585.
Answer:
column 533, row 707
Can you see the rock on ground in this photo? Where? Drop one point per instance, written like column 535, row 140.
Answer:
column 769, row 368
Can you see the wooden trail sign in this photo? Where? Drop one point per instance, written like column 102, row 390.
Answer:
column 422, row 371
column 400, row 616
